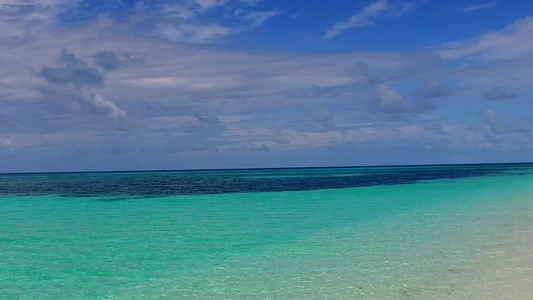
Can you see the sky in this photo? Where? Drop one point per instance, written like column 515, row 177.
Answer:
column 101, row 85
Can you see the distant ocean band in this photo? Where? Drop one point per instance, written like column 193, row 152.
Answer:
column 197, row 182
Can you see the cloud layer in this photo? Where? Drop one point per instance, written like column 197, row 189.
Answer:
column 167, row 89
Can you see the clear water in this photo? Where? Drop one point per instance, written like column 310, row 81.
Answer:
column 438, row 232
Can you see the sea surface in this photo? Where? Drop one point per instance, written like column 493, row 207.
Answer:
column 418, row 232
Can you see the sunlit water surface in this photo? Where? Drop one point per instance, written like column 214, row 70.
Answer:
column 441, row 232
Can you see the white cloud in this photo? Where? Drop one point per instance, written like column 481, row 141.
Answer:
column 498, row 64
column 190, row 22
column 250, row 147
column 498, row 93
column 433, row 89
column 250, row 2
column 257, row 18
column 514, row 41
column 191, row 98
column 25, row 18
column 363, row 18
column 367, row 16
column 69, row 86
column 387, row 100
column 189, row 33
column 208, row 4
column 102, row 105
column 7, row 143
column 503, row 133
column 179, row 11
column 177, row 80
column 493, row 122
column 478, row 7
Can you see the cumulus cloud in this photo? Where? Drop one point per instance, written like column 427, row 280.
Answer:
column 202, row 98
column 72, row 70
column 387, row 100
column 433, row 89
column 498, row 93
column 101, row 105
column 106, row 60
column 423, row 104
column 368, row 15
column 505, row 133
column 424, row 97
column 384, row 99
column 493, row 122
column 70, row 83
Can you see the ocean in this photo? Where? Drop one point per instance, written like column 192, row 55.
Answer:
column 414, row 232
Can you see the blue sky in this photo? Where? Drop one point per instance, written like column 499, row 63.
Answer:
column 132, row 85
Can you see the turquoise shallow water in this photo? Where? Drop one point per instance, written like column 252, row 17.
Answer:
column 423, row 238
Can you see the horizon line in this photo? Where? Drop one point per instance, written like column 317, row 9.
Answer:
column 263, row 168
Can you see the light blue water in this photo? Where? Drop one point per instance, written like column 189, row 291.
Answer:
column 399, row 241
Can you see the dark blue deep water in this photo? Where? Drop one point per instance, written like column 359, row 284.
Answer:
column 168, row 183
